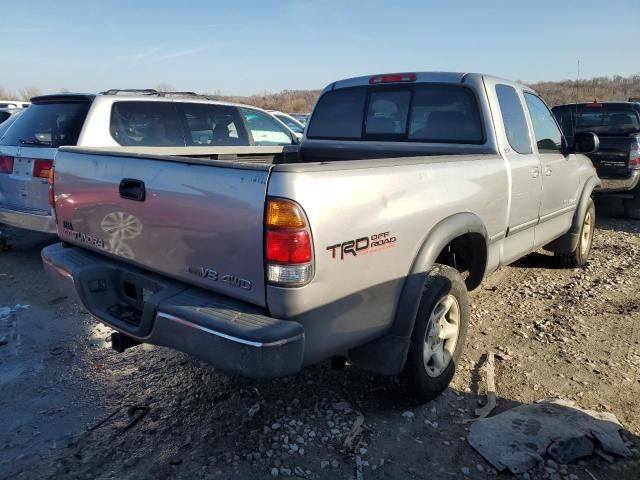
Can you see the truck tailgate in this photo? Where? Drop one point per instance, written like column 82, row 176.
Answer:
column 199, row 221
column 612, row 158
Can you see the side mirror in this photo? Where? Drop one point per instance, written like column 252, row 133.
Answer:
column 585, row 142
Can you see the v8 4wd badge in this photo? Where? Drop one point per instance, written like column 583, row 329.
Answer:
column 213, row 276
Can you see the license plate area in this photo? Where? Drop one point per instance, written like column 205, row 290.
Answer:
column 22, row 167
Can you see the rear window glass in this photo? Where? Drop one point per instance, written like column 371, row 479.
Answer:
column 146, row 124
column 339, row 114
column 419, row 113
column 387, row 112
column 599, row 118
column 445, row 114
column 213, row 124
column 48, row 125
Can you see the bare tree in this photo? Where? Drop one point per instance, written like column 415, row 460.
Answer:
column 165, row 87
column 27, row 93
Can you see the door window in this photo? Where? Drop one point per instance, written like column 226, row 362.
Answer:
column 548, row 136
column 146, row 124
column 209, row 124
column 515, row 123
column 264, row 129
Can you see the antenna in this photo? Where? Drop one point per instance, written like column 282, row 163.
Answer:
column 575, row 117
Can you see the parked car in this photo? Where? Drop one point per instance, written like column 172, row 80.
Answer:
column 115, row 119
column 407, row 190
column 301, row 117
column 617, row 161
column 294, row 125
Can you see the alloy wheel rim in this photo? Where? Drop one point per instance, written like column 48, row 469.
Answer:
column 587, row 229
column 441, row 336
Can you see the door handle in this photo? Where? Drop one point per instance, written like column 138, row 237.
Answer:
column 548, row 171
column 535, row 172
column 132, row 189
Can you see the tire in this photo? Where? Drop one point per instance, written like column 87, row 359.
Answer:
column 444, row 289
column 582, row 252
column 632, row 206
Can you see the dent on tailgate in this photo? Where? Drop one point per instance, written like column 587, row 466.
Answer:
column 198, row 223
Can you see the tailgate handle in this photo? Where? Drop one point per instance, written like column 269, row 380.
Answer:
column 132, row 189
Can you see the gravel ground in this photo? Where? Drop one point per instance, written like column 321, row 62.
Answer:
column 72, row 408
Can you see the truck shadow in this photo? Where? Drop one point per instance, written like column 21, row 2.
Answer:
column 198, row 420
column 618, row 225
column 24, row 241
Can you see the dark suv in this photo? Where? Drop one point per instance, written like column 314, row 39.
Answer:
column 617, row 161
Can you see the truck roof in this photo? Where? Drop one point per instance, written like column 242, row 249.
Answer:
column 424, row 77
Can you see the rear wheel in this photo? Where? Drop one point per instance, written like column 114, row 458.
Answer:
column 581, row 254
column 439, row 333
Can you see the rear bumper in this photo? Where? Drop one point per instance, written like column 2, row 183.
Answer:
column 611, row 185
column 27, row 220
column 234, row 336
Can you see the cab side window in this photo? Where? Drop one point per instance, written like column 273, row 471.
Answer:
column 515, row 123
column 548, row 136
column 264, row 129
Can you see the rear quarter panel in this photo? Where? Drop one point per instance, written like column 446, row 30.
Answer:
column 353, row 298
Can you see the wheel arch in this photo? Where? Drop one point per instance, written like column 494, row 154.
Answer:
column 568, row 242
column 387, row 354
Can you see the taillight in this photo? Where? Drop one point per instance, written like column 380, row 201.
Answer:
column 634, row 156
column 6, row 164
column 392, row 78
column 52, row 199
column 42, row 168
column 288, row 247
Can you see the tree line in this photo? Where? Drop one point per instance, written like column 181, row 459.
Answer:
column 300, row 101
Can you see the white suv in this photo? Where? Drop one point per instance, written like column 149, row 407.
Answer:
column 115, row 118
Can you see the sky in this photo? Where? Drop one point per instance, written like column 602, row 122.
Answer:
column 244, row 47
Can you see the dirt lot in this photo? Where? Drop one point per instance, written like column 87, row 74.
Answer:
column 573, row 334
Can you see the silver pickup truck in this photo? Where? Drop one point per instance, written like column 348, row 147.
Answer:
column 405, row 192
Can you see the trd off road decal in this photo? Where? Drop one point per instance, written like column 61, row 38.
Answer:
column 363, row 245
